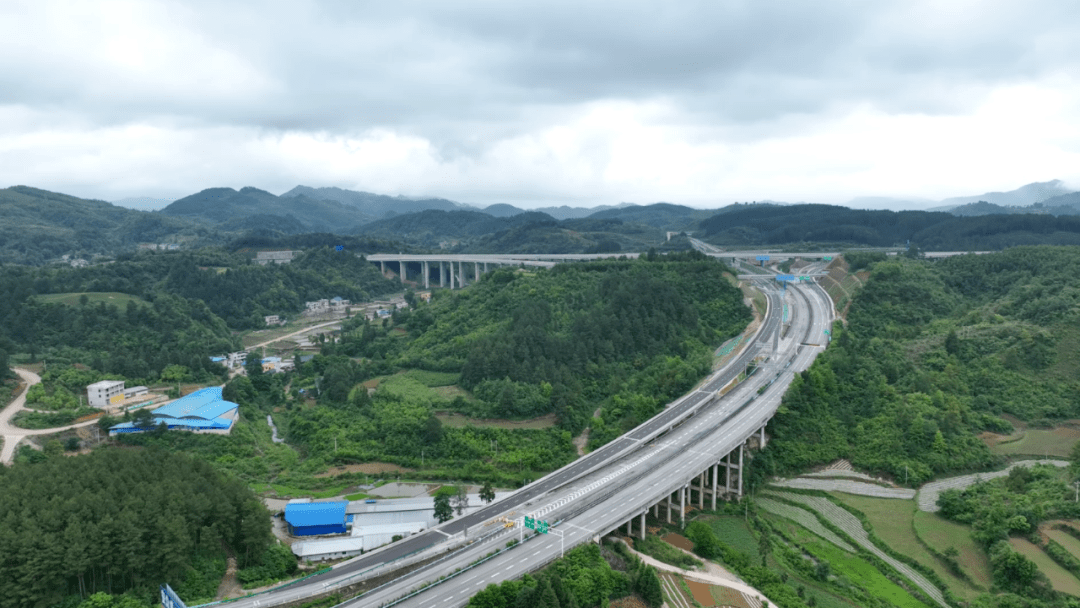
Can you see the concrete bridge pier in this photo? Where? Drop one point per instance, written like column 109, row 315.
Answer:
column 442, row 274
column 682, row 507
column 642, row 531
column 427, row 275
column 461, row 274
column 477, row 270
column 402, row 271
column 715, row 483
column 382, row 268
column 668, row 508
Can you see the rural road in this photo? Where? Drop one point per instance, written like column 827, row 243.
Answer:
column 295, row 333
column 13, row 434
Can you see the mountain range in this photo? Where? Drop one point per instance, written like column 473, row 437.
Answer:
column 37, row 226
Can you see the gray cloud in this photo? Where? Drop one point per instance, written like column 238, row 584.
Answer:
column 472, row 78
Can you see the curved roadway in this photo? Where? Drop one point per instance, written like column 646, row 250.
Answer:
column 582, row 473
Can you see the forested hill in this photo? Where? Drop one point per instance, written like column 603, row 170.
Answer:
column 582, row 329
column 232, row 287
column 934, row 353
column 933, row 231
column 37, row 226
column 153, row 310
column 431, row 226
column 120, row 520
column 251, row 207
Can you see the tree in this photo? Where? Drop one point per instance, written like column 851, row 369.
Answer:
column 461, row 499
column 487, row 493
column 143, row 419
column 648, row 586
column 443, row 511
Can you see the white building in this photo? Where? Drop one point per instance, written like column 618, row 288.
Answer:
column 105, row 393
column 276, row 257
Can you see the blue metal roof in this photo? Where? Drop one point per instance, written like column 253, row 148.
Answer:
column 316, row 513
column 204, row 403
column 202, row 409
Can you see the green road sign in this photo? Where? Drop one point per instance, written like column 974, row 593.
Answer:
column 827, row 258
column 530, row 523
column 804, row 278
column 542, row 527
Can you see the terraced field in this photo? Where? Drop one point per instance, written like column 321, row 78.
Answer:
column 805, row 519
column 1060, row 579
column 852, row 527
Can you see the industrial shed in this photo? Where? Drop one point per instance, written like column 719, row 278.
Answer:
column 203, row 411
column 314, row 518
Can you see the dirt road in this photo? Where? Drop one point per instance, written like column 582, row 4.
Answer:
column 13, row 434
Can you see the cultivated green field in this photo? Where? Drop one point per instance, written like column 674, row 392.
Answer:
column 733, row 531
column 1070, row 542
column 93, row 297
column 892, row 521
column 1038, row 442
column 1060, row 579
column 862, row 573
column 938, row 532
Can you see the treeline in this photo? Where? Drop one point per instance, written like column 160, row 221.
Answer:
column 118, row 520
column 754, row 225
column 585, row 578
column 933, row 354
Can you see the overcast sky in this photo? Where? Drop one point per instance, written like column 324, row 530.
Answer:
column 699, row 103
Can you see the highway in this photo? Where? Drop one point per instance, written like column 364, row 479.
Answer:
column 675, row 412
column 606, row 499
column 602, row 489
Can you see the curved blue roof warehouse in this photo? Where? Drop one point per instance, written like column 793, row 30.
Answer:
column 202, row 411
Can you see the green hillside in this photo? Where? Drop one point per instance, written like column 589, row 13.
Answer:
column 934, row 353
column 39, row 226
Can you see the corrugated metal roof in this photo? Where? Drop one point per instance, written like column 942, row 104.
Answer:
column 316, row 513
column 204, row 403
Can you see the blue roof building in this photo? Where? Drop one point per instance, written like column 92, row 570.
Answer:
column 310, row 519
column 203, row 411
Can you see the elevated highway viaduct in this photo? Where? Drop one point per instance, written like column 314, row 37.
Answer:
column 440, row 268
column 702, row 438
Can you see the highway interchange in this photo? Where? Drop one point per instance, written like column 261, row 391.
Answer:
column 602, row 490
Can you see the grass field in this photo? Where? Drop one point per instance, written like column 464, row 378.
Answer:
column 72, row 299
column 1035, row 442
column 1060, row 579
column 941, row 534
column 733, row 532
column 458, row 420
column 892, row 521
